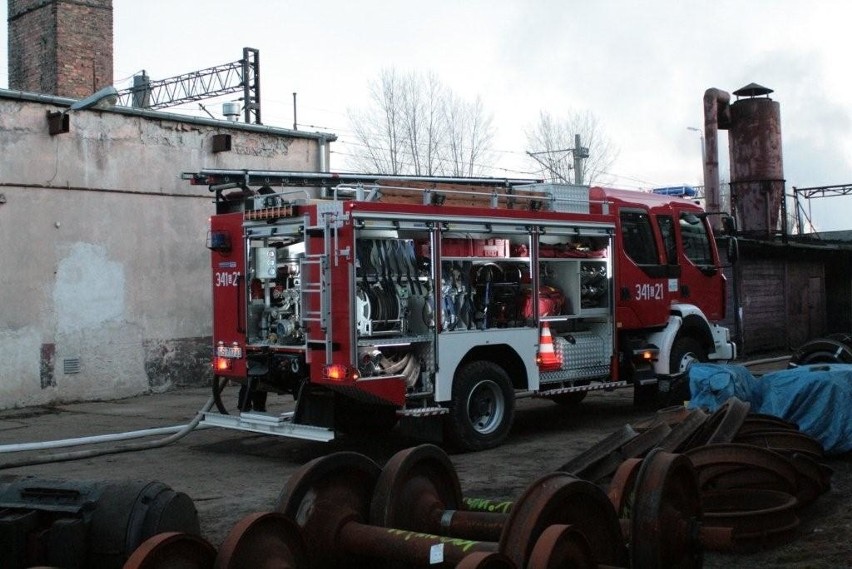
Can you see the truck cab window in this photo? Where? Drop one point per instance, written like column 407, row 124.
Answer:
column 667, row 231
column 639, row 243
column 696, row 244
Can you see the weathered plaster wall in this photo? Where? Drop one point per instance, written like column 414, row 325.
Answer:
column 104, row 273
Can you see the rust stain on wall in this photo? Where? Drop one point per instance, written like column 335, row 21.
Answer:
column 47, row 365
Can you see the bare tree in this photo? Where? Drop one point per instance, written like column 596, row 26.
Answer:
column 552, row 142
column 422, row 102
column 470, row 133
column 416, row 125
column 379, row 129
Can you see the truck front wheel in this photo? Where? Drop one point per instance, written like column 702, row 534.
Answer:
column 686, row 350
column 482, row 408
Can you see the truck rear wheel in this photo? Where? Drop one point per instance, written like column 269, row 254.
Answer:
column 482, row 408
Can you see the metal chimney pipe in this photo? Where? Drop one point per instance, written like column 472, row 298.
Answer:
column 717, row 114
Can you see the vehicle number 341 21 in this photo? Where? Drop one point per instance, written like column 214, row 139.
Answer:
column 225, row 278
column 649, row 291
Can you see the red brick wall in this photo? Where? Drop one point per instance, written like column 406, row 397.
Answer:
column 60, row 47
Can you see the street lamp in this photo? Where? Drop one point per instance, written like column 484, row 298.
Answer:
column 701, row 137
column 703, row 156
column 57, row 122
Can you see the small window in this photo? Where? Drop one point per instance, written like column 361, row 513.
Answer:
column 696, row 243
column 638, row 237
column 667, row 231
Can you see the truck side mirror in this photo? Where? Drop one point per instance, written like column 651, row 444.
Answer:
column 732, row 249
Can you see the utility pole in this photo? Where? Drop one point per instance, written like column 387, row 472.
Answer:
column 580, row 154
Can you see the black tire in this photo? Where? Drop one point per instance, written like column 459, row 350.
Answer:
column 833, row 349
column 842, row 337
column 685, row 351
column 482, row 408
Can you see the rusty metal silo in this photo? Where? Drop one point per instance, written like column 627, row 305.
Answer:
column 757, row 168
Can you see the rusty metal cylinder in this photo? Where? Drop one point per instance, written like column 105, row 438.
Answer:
column 482, row 526
column 757, row 168
column 409, row 547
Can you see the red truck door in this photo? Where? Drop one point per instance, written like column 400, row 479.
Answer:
column 644, row 278
column 702, row 282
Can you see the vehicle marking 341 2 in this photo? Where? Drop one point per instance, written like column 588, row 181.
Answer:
column 226, row 278
column 649, row 291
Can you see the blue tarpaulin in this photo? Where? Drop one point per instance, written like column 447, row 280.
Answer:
column 711, row 385
column 817, row 398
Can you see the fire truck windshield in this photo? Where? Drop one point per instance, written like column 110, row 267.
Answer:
column 696, row 243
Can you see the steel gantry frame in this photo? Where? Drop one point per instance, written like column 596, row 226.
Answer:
column 817, row 192
column 242, row 75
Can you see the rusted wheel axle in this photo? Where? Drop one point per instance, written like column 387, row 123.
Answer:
column 419, row 490
column 329, row 499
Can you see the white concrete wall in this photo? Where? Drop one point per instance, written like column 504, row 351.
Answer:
column 102, row 248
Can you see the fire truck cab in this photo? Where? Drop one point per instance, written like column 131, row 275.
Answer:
column 671, row 286
column 372, row 299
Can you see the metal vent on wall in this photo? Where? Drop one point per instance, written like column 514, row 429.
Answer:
column 70, row 365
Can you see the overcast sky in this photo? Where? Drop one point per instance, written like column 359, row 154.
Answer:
column 641, row 67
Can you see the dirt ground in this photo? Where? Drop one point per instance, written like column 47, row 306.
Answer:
column 230, row 474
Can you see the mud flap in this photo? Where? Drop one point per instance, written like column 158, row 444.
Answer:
column 673, row 389
column 426, row 429
column 314, row 407
column 645, row 388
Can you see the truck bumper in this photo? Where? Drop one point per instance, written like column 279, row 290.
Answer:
column 725, row 350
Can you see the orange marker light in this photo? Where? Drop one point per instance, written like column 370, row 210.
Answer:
column 340, row 372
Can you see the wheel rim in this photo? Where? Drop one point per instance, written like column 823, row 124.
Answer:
column 485, row 407
column 687, row 360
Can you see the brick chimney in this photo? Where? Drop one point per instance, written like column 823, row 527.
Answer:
column 60, row 47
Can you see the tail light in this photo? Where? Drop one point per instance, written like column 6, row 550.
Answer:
column 340, row 372
column 222, row 364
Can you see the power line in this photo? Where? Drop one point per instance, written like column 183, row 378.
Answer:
column 407, row 163
column 645, row 182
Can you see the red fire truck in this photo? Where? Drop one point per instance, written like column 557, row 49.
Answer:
column 439, row 302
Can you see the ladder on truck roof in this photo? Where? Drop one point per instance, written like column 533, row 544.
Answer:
column 250, row 178
column 528, row 193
